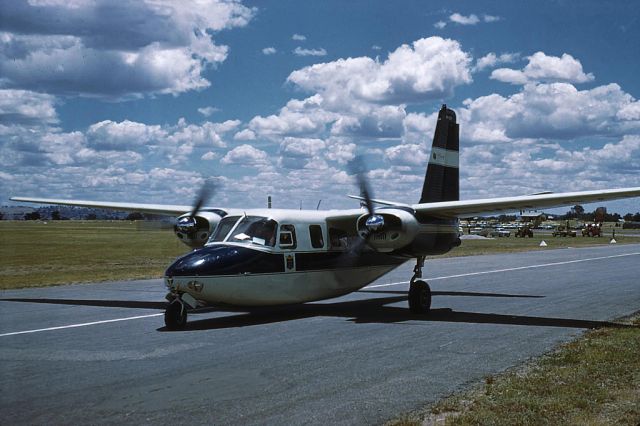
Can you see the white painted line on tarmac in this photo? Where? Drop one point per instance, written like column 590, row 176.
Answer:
column 80, row 325
column 519, row 268
column 544, row 265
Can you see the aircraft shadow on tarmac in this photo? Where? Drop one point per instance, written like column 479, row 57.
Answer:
column 362, row 311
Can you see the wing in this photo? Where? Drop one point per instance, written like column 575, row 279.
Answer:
column 161, row 209
column 469, row 208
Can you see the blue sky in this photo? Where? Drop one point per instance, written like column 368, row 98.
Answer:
column 141, row 101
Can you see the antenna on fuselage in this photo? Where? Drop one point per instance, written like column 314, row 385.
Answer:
column 318, row 206
column 269, row 201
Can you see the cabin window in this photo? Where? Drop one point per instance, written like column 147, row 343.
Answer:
column 287, row 236
column 315, row 232
column 223, row 228
column 256, row 230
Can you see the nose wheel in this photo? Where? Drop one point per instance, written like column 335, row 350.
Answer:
column 175, row 317
column 419, row 291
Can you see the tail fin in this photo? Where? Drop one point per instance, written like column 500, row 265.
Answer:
column 441, row 182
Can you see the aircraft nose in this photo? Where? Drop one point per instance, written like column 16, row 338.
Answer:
column 225, row 260
column 204, row 261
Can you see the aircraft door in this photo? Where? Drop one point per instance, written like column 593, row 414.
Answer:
column 288, row 244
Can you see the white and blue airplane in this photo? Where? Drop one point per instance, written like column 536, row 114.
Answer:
column 267, row 257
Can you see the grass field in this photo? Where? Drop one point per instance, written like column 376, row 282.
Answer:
column 34, row 253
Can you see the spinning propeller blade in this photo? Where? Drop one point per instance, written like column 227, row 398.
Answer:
column 206, row 192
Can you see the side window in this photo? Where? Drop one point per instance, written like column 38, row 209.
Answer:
column 315, row 232
column 287, row 236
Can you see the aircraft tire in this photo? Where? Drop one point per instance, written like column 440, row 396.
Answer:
column 175, row 317
column 419, row 297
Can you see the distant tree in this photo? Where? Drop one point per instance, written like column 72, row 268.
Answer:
column 91, row 216
column 1, row 215
column 628, row 217
column 55, row 215
column 32, row 216
column 135, row 216
column 578, row 210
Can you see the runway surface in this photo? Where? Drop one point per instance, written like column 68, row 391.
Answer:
column 98, row 353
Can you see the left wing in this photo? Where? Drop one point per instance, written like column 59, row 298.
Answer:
column 161, row 209
column 469, row 208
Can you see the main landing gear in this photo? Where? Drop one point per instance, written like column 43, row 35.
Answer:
column 419, row 291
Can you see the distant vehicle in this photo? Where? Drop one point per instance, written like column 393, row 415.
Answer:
column 494, row 233
column 476, row 231
column 564, row 231
column 502, row 232
column 523, row 232
column 592, row 230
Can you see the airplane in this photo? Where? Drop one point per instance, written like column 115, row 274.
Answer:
column 270, row 257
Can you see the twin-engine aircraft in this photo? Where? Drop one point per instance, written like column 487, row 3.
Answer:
column 264, row 257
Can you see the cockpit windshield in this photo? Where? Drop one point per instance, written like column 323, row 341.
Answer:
column 251, row 229
column 223, row 228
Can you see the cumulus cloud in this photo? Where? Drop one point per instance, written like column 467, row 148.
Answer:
column 407, row 155
column 464, row 20
column 297, row 153
column 490, row 60
column 440, row 25
column 245, row 155
column 555, row 111
column 269, row 51
column 208, row 111
column 428, row 69
column 22, row 107
column 299, row 51
column 543, row 68
column 245, row 135
column 125, row 135
column 298, row 37
column 209, row 155
column 102, row 49
column 490, row 18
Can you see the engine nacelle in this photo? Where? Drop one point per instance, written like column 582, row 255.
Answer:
column 195, row 231
column 389, row 229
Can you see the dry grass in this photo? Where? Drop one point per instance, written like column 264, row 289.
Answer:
column 38, row 254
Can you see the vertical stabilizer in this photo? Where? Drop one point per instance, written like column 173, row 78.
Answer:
column 441, row 182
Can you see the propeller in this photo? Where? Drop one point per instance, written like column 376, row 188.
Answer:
column 373, row 222
column 188, row 224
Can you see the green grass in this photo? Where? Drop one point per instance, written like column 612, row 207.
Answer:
column 33, row 253
column 513, row 245
column 593, row 380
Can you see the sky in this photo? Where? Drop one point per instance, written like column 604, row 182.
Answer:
column 142, row 101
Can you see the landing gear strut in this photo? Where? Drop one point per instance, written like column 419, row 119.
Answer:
column 175, row 317
column 419, row 291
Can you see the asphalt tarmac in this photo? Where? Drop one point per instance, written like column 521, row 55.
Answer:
column 99, row 354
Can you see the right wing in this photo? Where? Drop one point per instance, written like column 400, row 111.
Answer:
column 470, row 208
column 160, row 209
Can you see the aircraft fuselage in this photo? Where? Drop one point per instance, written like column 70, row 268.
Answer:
column 273, row 257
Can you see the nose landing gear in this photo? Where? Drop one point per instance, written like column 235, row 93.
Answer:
column 419, row 291
column 175, row 316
